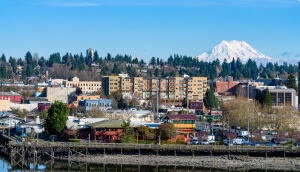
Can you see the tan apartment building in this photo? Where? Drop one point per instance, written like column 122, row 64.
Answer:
column 73, row 98
column 171, row 90
column 85, row 86
column 111, row 84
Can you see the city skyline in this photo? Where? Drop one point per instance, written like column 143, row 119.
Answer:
column 146, row 29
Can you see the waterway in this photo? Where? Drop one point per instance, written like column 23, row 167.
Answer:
column 28, row 165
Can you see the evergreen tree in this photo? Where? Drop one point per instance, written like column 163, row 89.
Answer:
column 267, row 98
column 259, row 97
column 108, row 56
column 292, row 82
column 153, row 61
column 3, row 58
column 29, row 71
column 184, row 102
column 96, row 57
column 156, row 72
column 210, row 100
column 57, row 118
column 28, row 57
column 3, row 71
column 172, row 74
column 14, row 65
column 127, row 132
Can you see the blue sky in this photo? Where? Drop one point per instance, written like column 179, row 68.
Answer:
column 146, row 28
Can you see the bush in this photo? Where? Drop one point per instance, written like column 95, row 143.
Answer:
column 218, row 143
column 146, row 141
column 289, row 143
column 180, row 141
column 73, row 140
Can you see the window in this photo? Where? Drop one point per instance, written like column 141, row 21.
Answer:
column 280, row 99
column 288, row 99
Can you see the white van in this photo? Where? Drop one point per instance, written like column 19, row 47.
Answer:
column 238, row 141
column 243, row 133
column 211, row 139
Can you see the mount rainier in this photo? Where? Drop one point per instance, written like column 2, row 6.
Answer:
column 234, row 49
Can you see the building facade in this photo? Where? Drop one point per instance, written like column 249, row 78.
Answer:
column 12, row 96
column 171, row 90
column 4, row 105
column 85, row 86
column 106, row 131
column 280, row 95
column 74, row 98
column 88, row 104
column 185, row 125
column 59, row 93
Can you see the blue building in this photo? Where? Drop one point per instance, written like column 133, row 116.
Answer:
column 87, row 104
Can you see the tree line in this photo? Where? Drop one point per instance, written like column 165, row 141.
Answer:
column 174, row 65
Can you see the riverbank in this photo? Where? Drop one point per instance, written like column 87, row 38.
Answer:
column 219, row 162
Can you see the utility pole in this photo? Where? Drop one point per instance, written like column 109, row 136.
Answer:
column 157, row 87
column 248, row 90
column 248, row 131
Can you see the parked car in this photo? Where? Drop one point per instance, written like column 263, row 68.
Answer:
column 272, row 133
column 243, row 133
column 238, row 141
column 227, row 143
column 271, row 144
column 246, row 144
column 296, row 144
column 278, row 141
column 195, row 141
column 205, row 142
column 255, row 144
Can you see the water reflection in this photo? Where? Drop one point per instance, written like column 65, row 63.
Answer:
column 57, row 165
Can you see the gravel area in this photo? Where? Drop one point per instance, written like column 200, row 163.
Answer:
column 220, row 162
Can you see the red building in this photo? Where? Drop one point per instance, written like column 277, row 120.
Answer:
column 197, row 105
column 227, row 87
column 185, row 125
column 106, row 131
column 12, row 96
column 42, row 107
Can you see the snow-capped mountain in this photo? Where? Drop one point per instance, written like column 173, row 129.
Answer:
column 234, row 49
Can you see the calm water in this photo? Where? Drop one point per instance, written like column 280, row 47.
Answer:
column 6, row 164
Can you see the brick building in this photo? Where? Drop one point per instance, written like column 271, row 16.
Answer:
column 229, row 86
column 197, row 105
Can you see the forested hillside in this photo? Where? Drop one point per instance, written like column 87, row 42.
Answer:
column 70, row 65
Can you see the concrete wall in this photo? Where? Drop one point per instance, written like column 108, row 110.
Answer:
column 59, row 93
column 4, row 105
column 28, row 107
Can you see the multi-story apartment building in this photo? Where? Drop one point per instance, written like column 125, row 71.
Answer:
column 85, row 86
column 111, row 84
column 171, row 90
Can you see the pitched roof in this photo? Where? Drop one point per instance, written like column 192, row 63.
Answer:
column 182, row 117
column 107, row 124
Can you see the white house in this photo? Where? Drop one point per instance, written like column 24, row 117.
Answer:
column 28, row 126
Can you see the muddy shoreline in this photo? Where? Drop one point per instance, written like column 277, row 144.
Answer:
column 234, row 162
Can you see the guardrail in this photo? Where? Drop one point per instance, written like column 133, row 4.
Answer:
column 155, row 147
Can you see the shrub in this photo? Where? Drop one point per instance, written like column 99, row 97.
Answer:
column 289, row 143
column 146, row 141
column 73, row 140
column 218, row 143
column 180, row 141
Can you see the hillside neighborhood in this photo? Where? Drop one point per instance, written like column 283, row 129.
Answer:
column 120, row 107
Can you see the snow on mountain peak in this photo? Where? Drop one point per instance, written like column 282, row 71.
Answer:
column 234, row 49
